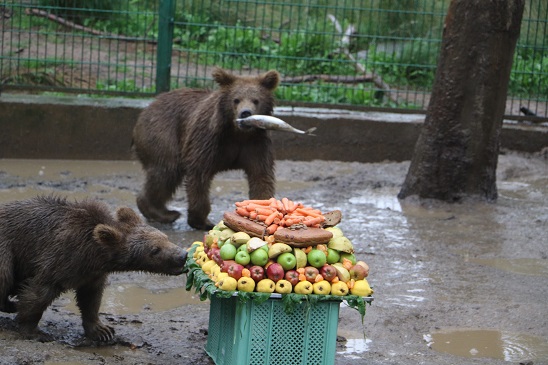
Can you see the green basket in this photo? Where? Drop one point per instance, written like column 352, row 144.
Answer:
column 247, row 333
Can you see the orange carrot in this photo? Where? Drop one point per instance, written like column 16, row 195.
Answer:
column 261, row 217
column 309, row 212
column 253, row 215
column 265, row 211
column 335, row 280
column 351, row 283
column 271, row 228
column 313, row 221
column 301, row 270
column 318, row 278
column 285, row 203
column 264, row 202
column 246, row 272
column 307, row 250
column 302, row 277
column 270, row 219
column 242, row 211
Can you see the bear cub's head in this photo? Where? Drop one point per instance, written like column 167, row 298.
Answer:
column 136, row 246
column 244, row 96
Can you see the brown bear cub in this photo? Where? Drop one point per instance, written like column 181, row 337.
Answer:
column 190, row 135
column 49, row 245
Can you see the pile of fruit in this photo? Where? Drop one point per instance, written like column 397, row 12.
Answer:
column 238, row 261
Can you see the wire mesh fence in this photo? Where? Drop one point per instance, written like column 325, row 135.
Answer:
column 353, row 53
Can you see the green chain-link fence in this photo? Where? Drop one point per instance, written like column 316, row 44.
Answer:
column 366, row 53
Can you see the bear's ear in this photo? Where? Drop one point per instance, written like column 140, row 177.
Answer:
column 222, row 77
column 128, row 216
column 107, row 235
column 270, row 80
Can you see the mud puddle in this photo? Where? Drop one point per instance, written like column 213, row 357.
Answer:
column 129, row 298
column 488, row 343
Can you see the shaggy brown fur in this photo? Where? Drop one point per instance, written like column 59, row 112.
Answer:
column 191, row 135
column 49, row 245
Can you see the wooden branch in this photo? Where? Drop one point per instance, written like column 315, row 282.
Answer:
column 376, row 79
column 69, row 24
column 328, row 78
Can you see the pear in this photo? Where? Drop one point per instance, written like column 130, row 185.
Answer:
column 304, row 287
column 342, row 272
column 226, row 234
column 301, row 258
column 266, row 286
column 283, row 286
column 277, row 249
column 361, row 288
column 322, row 287
column 246, row 284
column 336, row 231
column 239, row 238
column 341, row 244
column 228, row 283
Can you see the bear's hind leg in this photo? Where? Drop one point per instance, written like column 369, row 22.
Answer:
column 33, row 299
column 88, row 298
column 160, row 185
column 6, row 285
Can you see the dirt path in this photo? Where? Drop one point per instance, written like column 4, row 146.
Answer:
column 435, row 268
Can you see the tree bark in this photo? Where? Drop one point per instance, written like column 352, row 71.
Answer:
column 457, row 150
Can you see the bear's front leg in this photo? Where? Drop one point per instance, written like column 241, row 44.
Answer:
column 88, row 298
column 199, row 206
column 259, row 167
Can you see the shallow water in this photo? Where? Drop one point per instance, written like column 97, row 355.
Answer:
column 489, row 343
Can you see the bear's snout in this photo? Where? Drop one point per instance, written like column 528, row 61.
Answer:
column 245, row 113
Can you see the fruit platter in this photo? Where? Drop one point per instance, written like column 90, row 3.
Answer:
column 279, row 249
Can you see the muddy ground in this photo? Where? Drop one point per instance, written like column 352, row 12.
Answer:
column 464, row 283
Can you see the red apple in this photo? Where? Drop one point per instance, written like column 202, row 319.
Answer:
column 311, row 272
column 235, row 270
column 226, row 264
column 292, row 276
column 328, row 272
column 275, row 272
column 217, row 258
column 257, row 273
column 212, row 252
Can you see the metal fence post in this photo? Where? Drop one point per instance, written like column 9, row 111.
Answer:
column 165, row 45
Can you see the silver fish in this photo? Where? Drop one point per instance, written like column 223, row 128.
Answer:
column 271, row 123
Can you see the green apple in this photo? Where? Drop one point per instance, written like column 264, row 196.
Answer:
column 349, row 256
column 332, row 256
column 242, row 248
column 228, row 251
column 259, row 257
column 242, row 257
column 287, row 260
column 316, row 258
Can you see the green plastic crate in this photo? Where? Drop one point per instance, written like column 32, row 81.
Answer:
column 246, row 333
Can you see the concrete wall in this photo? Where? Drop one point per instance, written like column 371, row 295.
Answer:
column 93, row 128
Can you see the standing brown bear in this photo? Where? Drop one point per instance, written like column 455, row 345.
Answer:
column 190, row 135
column 49, row 245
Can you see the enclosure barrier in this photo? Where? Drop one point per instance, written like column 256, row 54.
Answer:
column 365, row 54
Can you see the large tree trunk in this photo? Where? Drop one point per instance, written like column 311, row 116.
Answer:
column 457, row 150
